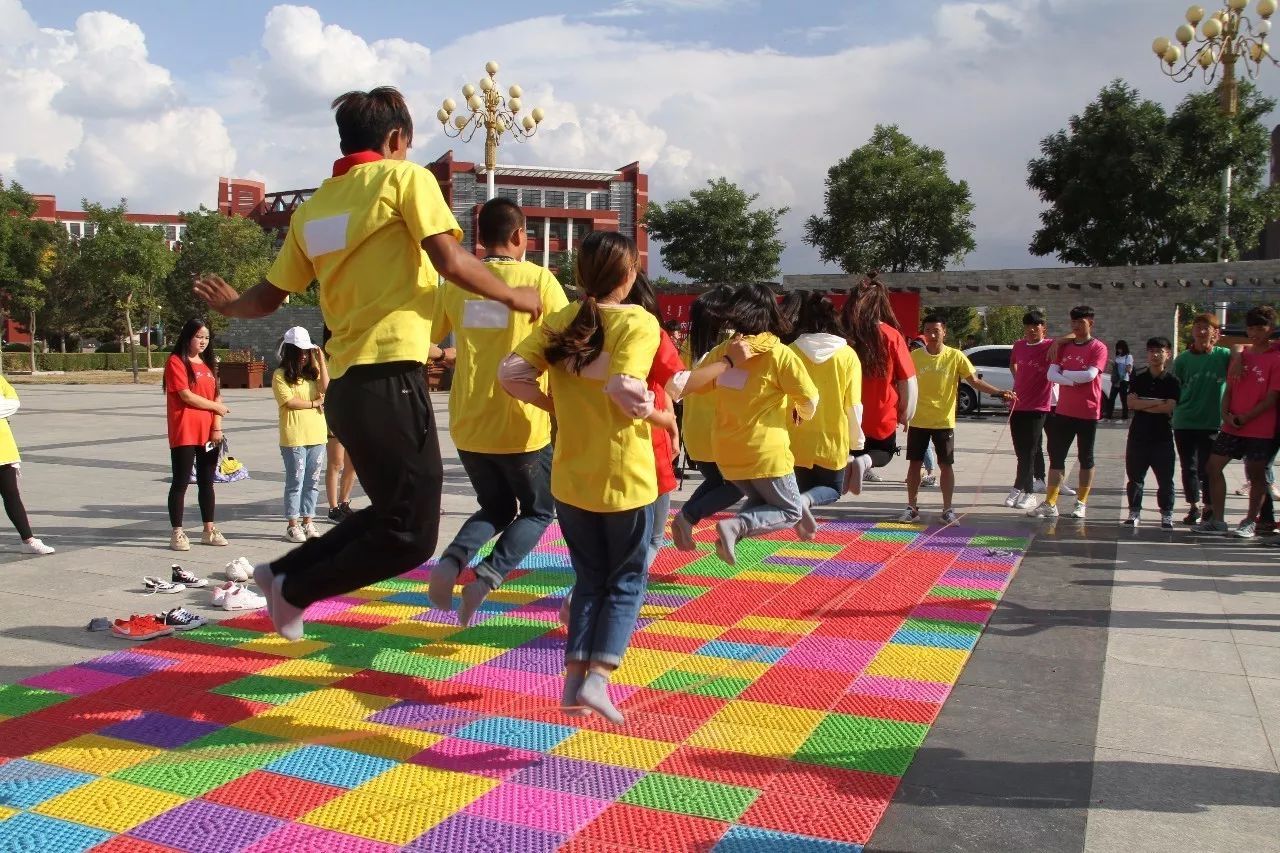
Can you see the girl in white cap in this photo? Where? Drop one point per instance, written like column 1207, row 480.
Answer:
column 299, row 385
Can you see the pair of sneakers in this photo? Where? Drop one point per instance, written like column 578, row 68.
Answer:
column 180, row 580
column 341, row 511
column 911, row 515
column 178, row 540
column 237, row 596
column 1135, row 518
column 299, row 533
column 152, row 625
column 1047, row 510
column 1018, row 499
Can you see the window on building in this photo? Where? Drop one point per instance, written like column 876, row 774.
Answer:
column 171, row 233
column 90, row 229
column 559, row 229
column 577, row 200
column 553, row 198
column 530, row 198
column 510, row 193
column 600, row 200
column 73, row 228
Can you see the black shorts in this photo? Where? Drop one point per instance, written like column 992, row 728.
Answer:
column 944, row 444
column 1242, row 447
column 1061, row 431
column 881, row 450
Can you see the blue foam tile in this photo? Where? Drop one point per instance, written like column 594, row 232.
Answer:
column 750, row 839
column 742, row 651
column 413, row 599
column 330, row 766
column 29, row 831
column 517, row 734
column 936, row 639
column 25, row 784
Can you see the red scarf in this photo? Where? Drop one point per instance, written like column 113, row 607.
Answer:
column 346, row 164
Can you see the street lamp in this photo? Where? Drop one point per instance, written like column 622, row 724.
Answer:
column 490, row 110
column 1225, row 37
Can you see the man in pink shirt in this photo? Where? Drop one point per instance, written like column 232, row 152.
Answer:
column 1248, row 424
column 1029, row 364
column 1075, row 366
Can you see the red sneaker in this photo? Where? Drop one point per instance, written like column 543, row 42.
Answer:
column 144, row 627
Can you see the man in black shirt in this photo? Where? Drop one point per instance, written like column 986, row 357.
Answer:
column 1153, row 393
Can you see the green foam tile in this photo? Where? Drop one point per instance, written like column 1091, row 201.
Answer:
column 1001, row 543
column 16, row 699
column 359, row 657
column 676, row 680
column 965, row 592
column 347, row 636
column 394, row 585
column 752, row 551
column 240, row 747
column 818, row 548
column 851, row 728
column 684, row 590
column 265, row 688
column 180, row 774
column 220, row 635
column 682, row 795
column 418, row 666
column 880, row 758
column 494, row 634
column 890, row 536
column 708, row 567
column 942, row 626
column 722, row 688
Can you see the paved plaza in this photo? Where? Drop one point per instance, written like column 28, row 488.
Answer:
column 1006, row 685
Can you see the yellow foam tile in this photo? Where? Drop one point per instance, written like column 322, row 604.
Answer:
column 309, row 671
column 763, row 715
column 686, row 629
column 748, row 740
column 807, row 553
column 389, row 609
column 783, row 626
column 897, row 525
column 428, row 632
column 438, row 788
column 340, row 704
column 110, row 804
column 513, row 596
column 919, row 663
column 460, row 652
column 391, row 742
column 6, row 813
column 724, row 667
column 274, row 644
column 379, row 818
column 370, row 594
column 96, row 754
column 303, row 727
column 621, row 750
column 654, row 611
column 766, row 577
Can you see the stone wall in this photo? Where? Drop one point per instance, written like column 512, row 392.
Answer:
column 263, row 336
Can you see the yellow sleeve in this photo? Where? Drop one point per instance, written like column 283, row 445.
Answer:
column 533, row 349
column 423, row 207
column 711, row 357
column 292, row 270
column 964, row 367
column 7, row 390
column 637, row 345
column 280, row 388
column 440, row 323
column 792, row 377
column 553, row 297
column 855, row 378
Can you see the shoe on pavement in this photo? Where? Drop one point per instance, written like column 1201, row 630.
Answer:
column 309, row 529
column 241, row 598
column 910, row 515
column 238, row 570
column 1066, row 490
column 1166, row 521
column 182, row 577
column 1132, row 520
column 929, row 481
column 180, row 619
column 1026, row 501
column 1192, row 517
column 178, row 541
column 336, row 514
column 871, row 477
column 1245, row 530
column 153, row 585
column 140, row 628
column 213, row 537
column 1079, row 511
column 1212, row 527
column 1013, row 496
column 294, row 533
column 1045, row 510
column 948, row 516
column 1038, row 487
column 219, row 592
column 1242, row 490
column 35, row 546
column 682, row 533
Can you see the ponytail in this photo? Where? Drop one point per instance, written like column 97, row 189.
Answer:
column 581, row 342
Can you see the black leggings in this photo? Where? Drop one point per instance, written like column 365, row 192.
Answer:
column 13, row 501
column 182, row 459
column 1027, row 429
column 1119, row 391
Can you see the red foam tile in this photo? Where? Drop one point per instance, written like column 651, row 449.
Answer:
column 716, row 765
column 213, row 707
column 273, row 794
column 649, row 725
column 837, row 820
column 861, row 627
column 400, row 686
column 673, row 704
column 255, row 621
column 833, row 783
column 125, row 844
column 348, row 619
column 19, row 737
column 666, row 642
column 778, row 639
column 885, row 708
column 638, row 828
column 84, row 714
column 975, row 605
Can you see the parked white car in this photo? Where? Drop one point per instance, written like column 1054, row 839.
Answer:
column 992, row 365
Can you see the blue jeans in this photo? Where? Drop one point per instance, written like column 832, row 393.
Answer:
column 820, row 485
column 514, row 493
column 772, row 504
column 658, row 536
column 713, row 494
column 608, row 551
column 301, row 479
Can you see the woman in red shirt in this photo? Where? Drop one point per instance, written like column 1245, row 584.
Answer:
column 194, row 407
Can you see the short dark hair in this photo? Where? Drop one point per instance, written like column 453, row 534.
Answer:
column 755, row 310
column 1082, row 312
column 499, row 219
column 933, row 318
column 1208, row 317
column 1033, row 318
column 1261, row 315
column 366, row 119
column 1159, row 343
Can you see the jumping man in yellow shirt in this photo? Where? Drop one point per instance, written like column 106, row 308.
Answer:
column 374, row 236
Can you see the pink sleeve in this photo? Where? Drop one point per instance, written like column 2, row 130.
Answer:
column 519, row 378
column 1274, row 385
column 1100, row 357
column 631, row 395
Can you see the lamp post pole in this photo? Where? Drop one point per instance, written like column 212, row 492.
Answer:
column 493, row 112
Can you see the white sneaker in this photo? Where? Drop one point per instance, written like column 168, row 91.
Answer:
column 871, row 477
column 1166, row 521
column 35, row 546
column 241, row 598
column 1132, row 520
column 1044, row 511
column 1026, row 501
column 1079, row 511
column 1066, row 490
column 1038, row 487
column 238, row 570
column 1013, row 497
column 908, row 516
column 219, row 592
column 1246, row 530
column 929, row 481
column 948, row 516
column 295, row 534
column 310, row 530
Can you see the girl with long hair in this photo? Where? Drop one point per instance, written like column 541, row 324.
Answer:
column 756, row 400
column 1121, row 375
column 299, row 385
column 888, row 375
column 194, row 408
column 822, row 444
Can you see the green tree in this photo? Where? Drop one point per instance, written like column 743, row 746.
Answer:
column 890, row 205
column 564, row 273
column 715, row 236
column 28, row 255
column 1003, row 324
column 1126, row 183
column 234, row 247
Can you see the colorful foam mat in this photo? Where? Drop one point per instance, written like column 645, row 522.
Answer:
column 771, row 706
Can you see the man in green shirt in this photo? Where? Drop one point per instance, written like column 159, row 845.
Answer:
column 1202, row 372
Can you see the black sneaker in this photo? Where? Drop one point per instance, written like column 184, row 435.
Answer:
column 180, row 619
column 186, row 578
column 1193, row 516
column 347, row 511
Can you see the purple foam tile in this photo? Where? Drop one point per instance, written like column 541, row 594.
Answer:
column 542, row 610
column 479, row 759
column 299, row 838
column 443, row 617
column 547, row 641
column 75, row 680
column 846, row 526
column 950, row 614
column 160, row 730
column 544, row 661
column 573, row 776
column 848, row 569
column 202, row 827
column 665, row 600
column 972, row 583
column 424, row 716
column 332, row 607
column 464, row 832
column 794, row 561
column 130, row 664
column 901, row 688
column 976, row 574
column 510, row 680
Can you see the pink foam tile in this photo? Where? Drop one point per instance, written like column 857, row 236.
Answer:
column 543, row 610
column 833, row 654
column 76, row 680
column 538, row 808
column 950, row 614
column 972, row 583
column 299, row 838
column 901, row 688
column 478, row 759
column 555, row 550
column 332, row 606
column 500, row 678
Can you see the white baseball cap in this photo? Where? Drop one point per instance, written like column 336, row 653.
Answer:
column 299, row 337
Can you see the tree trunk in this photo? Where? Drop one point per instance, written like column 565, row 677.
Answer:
column 31, row 327
column 150, row 325
column 128, row 329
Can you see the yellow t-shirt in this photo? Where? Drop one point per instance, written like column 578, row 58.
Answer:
column 298, row 427
column 938, row 378
column 698, row 417
column 8, row 447
column 823, row 440
column 482, row 417
column 603, row 459
column 361, row 237
column 751, row 436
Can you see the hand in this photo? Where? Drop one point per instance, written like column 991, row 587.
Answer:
column 215, row 434
column 1009, row 397
column 739, row 351
column 673, row 432
column 450, row 356
column 526, row 300
column 220, row 409
column 213, row 290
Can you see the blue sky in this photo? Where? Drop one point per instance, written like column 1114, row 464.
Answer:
column 153, row 102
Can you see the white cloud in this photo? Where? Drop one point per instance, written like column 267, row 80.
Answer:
column 632, row 8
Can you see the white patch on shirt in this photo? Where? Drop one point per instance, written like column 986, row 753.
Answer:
column 734, row 377
column 598, row 369
column 485, row 314
column 322, row 236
